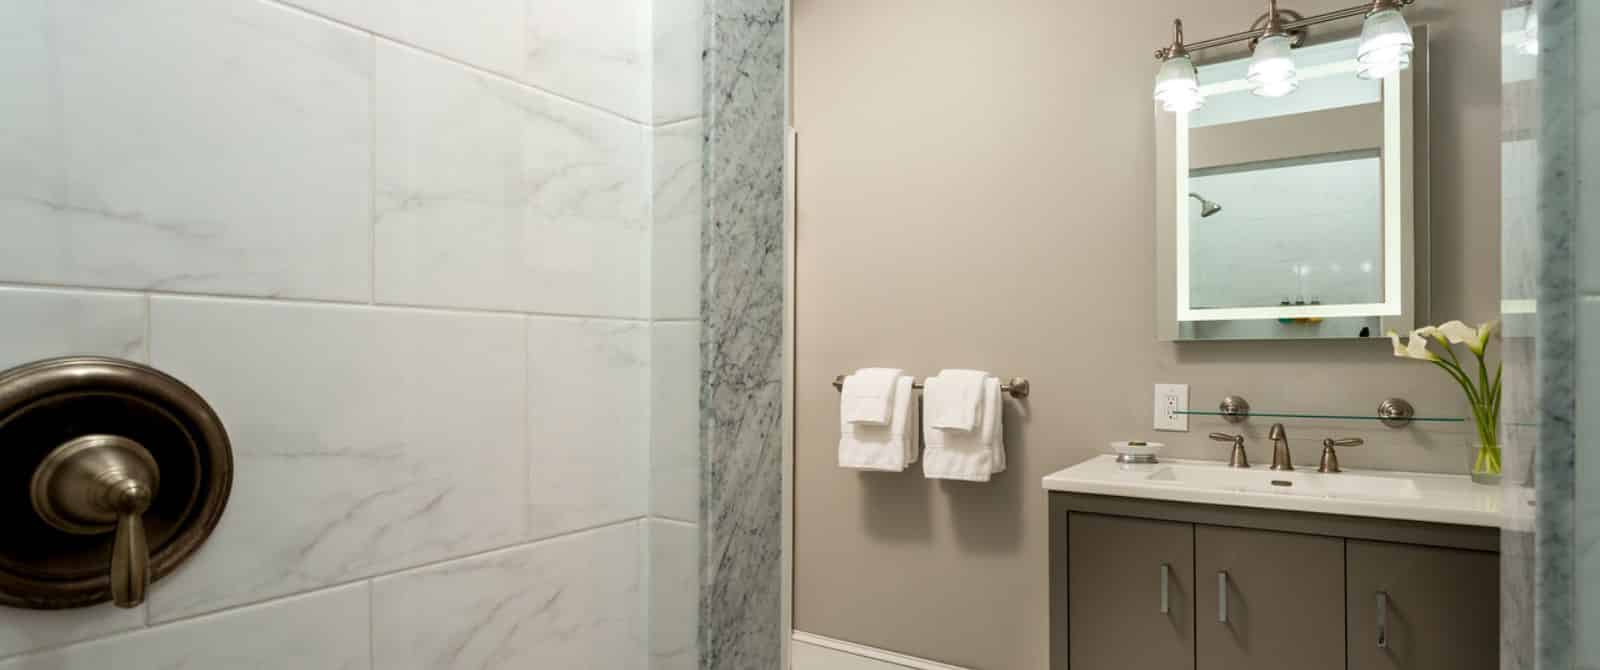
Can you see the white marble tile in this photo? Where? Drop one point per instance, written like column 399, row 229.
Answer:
column 31, row 152
column 326, row 630
column 494, row 195
column 674, row 594
column 365, row 440
column 246, row 171
column 569, row 602
column 675, row 420
column 676, row 213
column 483, row 33
column 42, row 323
column 677, row 41
column 595, row 51
column 588, row 417
column 22, row 630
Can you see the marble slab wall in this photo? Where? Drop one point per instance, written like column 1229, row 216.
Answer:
column 1559, row 325
column 1552, row 408
column 436, row 266
column 742, row 257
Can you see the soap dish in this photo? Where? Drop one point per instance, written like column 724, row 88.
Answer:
column 1137, row 451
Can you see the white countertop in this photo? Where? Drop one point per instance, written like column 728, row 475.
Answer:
column 1433, row 498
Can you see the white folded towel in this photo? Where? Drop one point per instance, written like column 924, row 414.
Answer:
column 868, row 396
column 951, row 398
column 887, row 448
column 969, row 455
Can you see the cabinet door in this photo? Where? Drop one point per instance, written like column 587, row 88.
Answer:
column 1130, row 594
column 1268, row 600
column 1422, row 608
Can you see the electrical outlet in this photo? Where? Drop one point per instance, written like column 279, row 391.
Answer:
column 1171, row 399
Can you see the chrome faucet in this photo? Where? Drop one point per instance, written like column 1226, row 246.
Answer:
column 1280, row 448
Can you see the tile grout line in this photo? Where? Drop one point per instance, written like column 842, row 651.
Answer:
column 527, row 427
column 372, row 625
column 277, row 300
column 372, row 177
column 150, row 360
column 463, row 64
column 672, row 521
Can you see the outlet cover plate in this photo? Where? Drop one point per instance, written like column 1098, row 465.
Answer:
column 1169, row 400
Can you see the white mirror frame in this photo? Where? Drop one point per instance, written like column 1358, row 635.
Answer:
column 1404, row 220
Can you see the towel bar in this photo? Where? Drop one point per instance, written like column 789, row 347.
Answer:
column 1017, row 387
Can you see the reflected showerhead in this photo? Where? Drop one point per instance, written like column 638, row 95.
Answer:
column 1207, row 207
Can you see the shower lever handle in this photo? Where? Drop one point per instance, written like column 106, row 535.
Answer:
column 96, row 484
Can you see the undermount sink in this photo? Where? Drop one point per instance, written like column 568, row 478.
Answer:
column 1294, row 483
column 1411, row 496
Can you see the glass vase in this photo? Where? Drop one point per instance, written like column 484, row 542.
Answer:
column 1485, row 466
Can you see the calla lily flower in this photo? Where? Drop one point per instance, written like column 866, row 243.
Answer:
column 1475, row 338
column 1484, row 395
column 1416, row 347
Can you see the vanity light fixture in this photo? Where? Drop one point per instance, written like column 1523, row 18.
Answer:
column 1386, row 46
column 1385, row 41
column 1272, row 71
column 1178, row 84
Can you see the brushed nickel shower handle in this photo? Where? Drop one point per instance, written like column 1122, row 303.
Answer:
column 99, row 483
column 130, row 553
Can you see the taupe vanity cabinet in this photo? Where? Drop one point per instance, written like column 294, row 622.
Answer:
column 1268, row 597
column 1440, row 607
column 1132, row 575
column 1142, row 584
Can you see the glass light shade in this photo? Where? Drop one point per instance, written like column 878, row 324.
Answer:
column 1385, row 45
column 1178, row 85
column 1272, row 71
column 1530, row 33
column 1382, row 69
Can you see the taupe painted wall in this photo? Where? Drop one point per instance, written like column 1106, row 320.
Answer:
column 975, row 191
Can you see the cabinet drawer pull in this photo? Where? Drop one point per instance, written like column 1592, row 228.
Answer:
column 1222, row 597
column 1383, row 620
column 1166, row 605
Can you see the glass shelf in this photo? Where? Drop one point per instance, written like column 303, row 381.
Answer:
column 1310, row 415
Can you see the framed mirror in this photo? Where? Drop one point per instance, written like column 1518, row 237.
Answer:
column 1295, row 217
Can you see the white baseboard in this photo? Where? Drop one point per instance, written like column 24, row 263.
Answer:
column 815, row 652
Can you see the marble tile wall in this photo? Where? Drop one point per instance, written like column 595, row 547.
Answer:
column 436, row 264
column 1551, row 563
column 742, row 266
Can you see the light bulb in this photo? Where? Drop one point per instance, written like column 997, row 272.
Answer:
column 1272, row 71
column 1385, row 44
column 1178, row 85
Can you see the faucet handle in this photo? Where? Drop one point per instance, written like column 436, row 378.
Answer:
column 1237, row 459
column 1330, row 458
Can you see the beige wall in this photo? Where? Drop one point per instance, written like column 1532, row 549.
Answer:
column 975, row 191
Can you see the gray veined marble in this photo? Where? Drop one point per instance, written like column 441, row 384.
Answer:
column 1554, row 463
column 742, row 336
